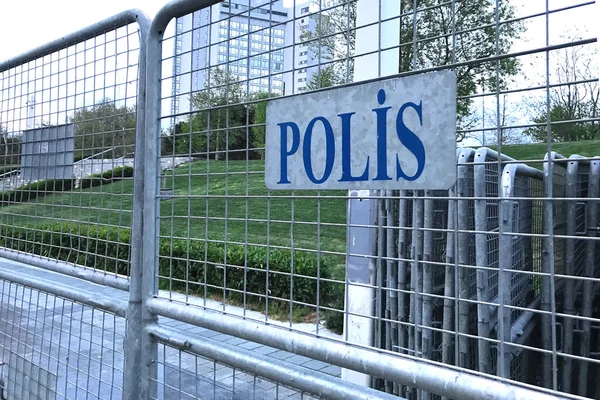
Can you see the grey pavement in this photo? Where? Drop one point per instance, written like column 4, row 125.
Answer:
column 57, row 349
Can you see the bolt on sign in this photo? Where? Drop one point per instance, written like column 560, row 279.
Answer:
column 397, row 133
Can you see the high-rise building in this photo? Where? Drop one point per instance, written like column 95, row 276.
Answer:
column 301, row 57
column 243, row 38
column 256, row 42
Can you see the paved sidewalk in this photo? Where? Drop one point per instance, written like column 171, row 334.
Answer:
column 57, row 349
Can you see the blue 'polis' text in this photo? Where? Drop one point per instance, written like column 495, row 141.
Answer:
column 290, row 144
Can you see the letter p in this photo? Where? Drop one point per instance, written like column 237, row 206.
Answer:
column 284, row 152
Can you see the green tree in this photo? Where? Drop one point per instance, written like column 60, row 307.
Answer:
column 4, row 136
column 470, row 22
column 325, row 77
column 260, row 119
column 104, row 127
column 331, row 38
column 10, row 148
column 573, row 100
column 219, row 126
column 475, row 40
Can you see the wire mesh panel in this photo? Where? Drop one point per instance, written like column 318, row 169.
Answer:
column 55, row 348
column 68, row 125
column 589, row 345
column 486, row 178
column 185, row 375
column 455, row 276
column 520, row 218
column 226, row 243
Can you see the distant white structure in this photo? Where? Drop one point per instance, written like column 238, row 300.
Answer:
column 31, row 112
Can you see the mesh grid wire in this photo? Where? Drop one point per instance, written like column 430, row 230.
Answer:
column 54, row 348
column 227, row 244
column 183, row 375
column 230, row 245
column 68, row 127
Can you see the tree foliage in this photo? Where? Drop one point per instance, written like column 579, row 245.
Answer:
column 259, row 129
column 104, row 126
column 474, row 36
column 10, row 148
column 224, row 123
column 432, row 25
column 572, row 104
column 322, row 78
column 331, row 38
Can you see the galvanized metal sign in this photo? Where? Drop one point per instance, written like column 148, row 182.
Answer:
column 397, row 133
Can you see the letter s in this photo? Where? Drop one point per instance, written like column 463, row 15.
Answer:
column 411, row 141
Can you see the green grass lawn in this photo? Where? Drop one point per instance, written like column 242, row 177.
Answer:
column 229, row 202
column 536, row 151
column 233, row 207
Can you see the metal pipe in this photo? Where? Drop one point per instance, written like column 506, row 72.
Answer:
column 117, row 21
column 448, row 317
column 80, row 272
column 483, row 209
column 569, row 292
column 505, row 263
column 402, row 369
column 548, row 299
column 136, row 363
column 92, row 299
column 151, row 186
column 427, row 306
column 288, row 374
column 588, row 290
column 402, row 271
column 391, row 280
column 462, row 256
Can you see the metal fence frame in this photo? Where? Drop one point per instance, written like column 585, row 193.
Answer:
column 467, row 237
column 115, row 22
column 401, row 370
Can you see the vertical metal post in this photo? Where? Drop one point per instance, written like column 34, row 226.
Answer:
column 504, row 277
column 547, row 204
column 392, row 281
column 449, row 277
column 369, row 39
column 569, row 290
column 548, row 297
column 427, row 334
column 462, row 274
column 139, row 362
column 402, row 270
column 588, row 285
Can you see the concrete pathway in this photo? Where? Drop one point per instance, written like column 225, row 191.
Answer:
column 57, row 349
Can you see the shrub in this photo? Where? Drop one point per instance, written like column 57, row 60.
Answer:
column 107, row 249
column 226, row 269
column 34, row 190
column 334, row 320
column 119, row 172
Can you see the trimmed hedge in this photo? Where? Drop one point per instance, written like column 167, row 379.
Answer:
column 107, row 248
column 32, row 191
column 174, row 262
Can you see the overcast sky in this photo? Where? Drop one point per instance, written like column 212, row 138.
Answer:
column 26, row 24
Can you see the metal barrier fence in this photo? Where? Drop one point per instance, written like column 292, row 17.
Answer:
column 54, row 347
column 140, row 231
